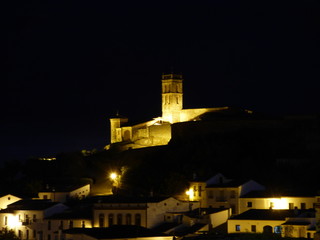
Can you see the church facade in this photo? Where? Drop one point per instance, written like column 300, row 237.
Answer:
column 157, row 131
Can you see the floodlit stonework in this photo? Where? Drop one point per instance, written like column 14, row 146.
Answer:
column 158, row 131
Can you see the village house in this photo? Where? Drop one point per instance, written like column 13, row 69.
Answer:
column 7, row 199
column 64, row 193
column 145, row 212
column 265, row 200
column 220, row 192
column 288, row 223
column 26, row 217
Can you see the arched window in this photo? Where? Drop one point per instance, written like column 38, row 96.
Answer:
column 119, row 219
column 128, row 219
column 137, row 219
column 110, row 219
column 101, row 220
column 267, row 229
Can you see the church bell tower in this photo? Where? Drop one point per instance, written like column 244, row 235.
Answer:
column 172, row 97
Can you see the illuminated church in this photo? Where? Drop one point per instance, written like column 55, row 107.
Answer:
column 158, row 131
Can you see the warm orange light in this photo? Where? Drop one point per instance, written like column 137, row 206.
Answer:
column 279, row 203
column 13, row 222
column 113, row 176
column 190, row 194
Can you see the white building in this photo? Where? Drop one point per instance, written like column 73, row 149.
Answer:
column 263, row 200
column 63, row 193
column 8, row 199
column 145, row 212
column 288, row 223
column 26, row 217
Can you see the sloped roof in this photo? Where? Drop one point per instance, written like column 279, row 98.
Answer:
column 62, row 188
column 38, row 204
column 297, row 223
column 266, row 214
column 126, row 199
column 116, row 231
column 189, row 229
column 203, row 211
column 229, row 184
column 74, row 213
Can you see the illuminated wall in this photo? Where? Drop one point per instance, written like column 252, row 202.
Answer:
column 158, row 131
column 246, row 226
column 276, row 203
column 8, row 199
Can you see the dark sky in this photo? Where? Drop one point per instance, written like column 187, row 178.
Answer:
column 73, row 64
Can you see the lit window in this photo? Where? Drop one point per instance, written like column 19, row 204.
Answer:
column 238, row 228
column 277, row 229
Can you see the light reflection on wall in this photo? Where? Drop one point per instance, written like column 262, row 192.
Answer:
column 190, row 194
column 13, row 222
column 279, row 203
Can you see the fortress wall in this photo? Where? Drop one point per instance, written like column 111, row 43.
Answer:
column 161, row 134
column 153, row 135
column 195, row 129
column 190, row 114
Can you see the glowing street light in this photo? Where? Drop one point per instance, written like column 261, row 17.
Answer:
column 113, row 176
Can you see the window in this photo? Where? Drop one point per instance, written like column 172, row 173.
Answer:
column 303, row 205
column 277, row 229
column 119, row 219
column 210, row 194
column 61, row 225
column 137, row 219
column 34, row 218
column 249, row 204
column 237, row 228
column 291, row 206
column 110, row 219
column 101, row 220
column 253, row 228
column 49, row 225
column 6, row 220
column 83, row 224
column 128, row 219
column 27, row 234
column 200, row 191
column 71, row 224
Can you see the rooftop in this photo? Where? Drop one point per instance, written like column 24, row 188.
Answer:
column 116, row 231
column 38, row 204
column 267, row 214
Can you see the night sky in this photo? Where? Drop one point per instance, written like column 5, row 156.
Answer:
column 73, row 64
